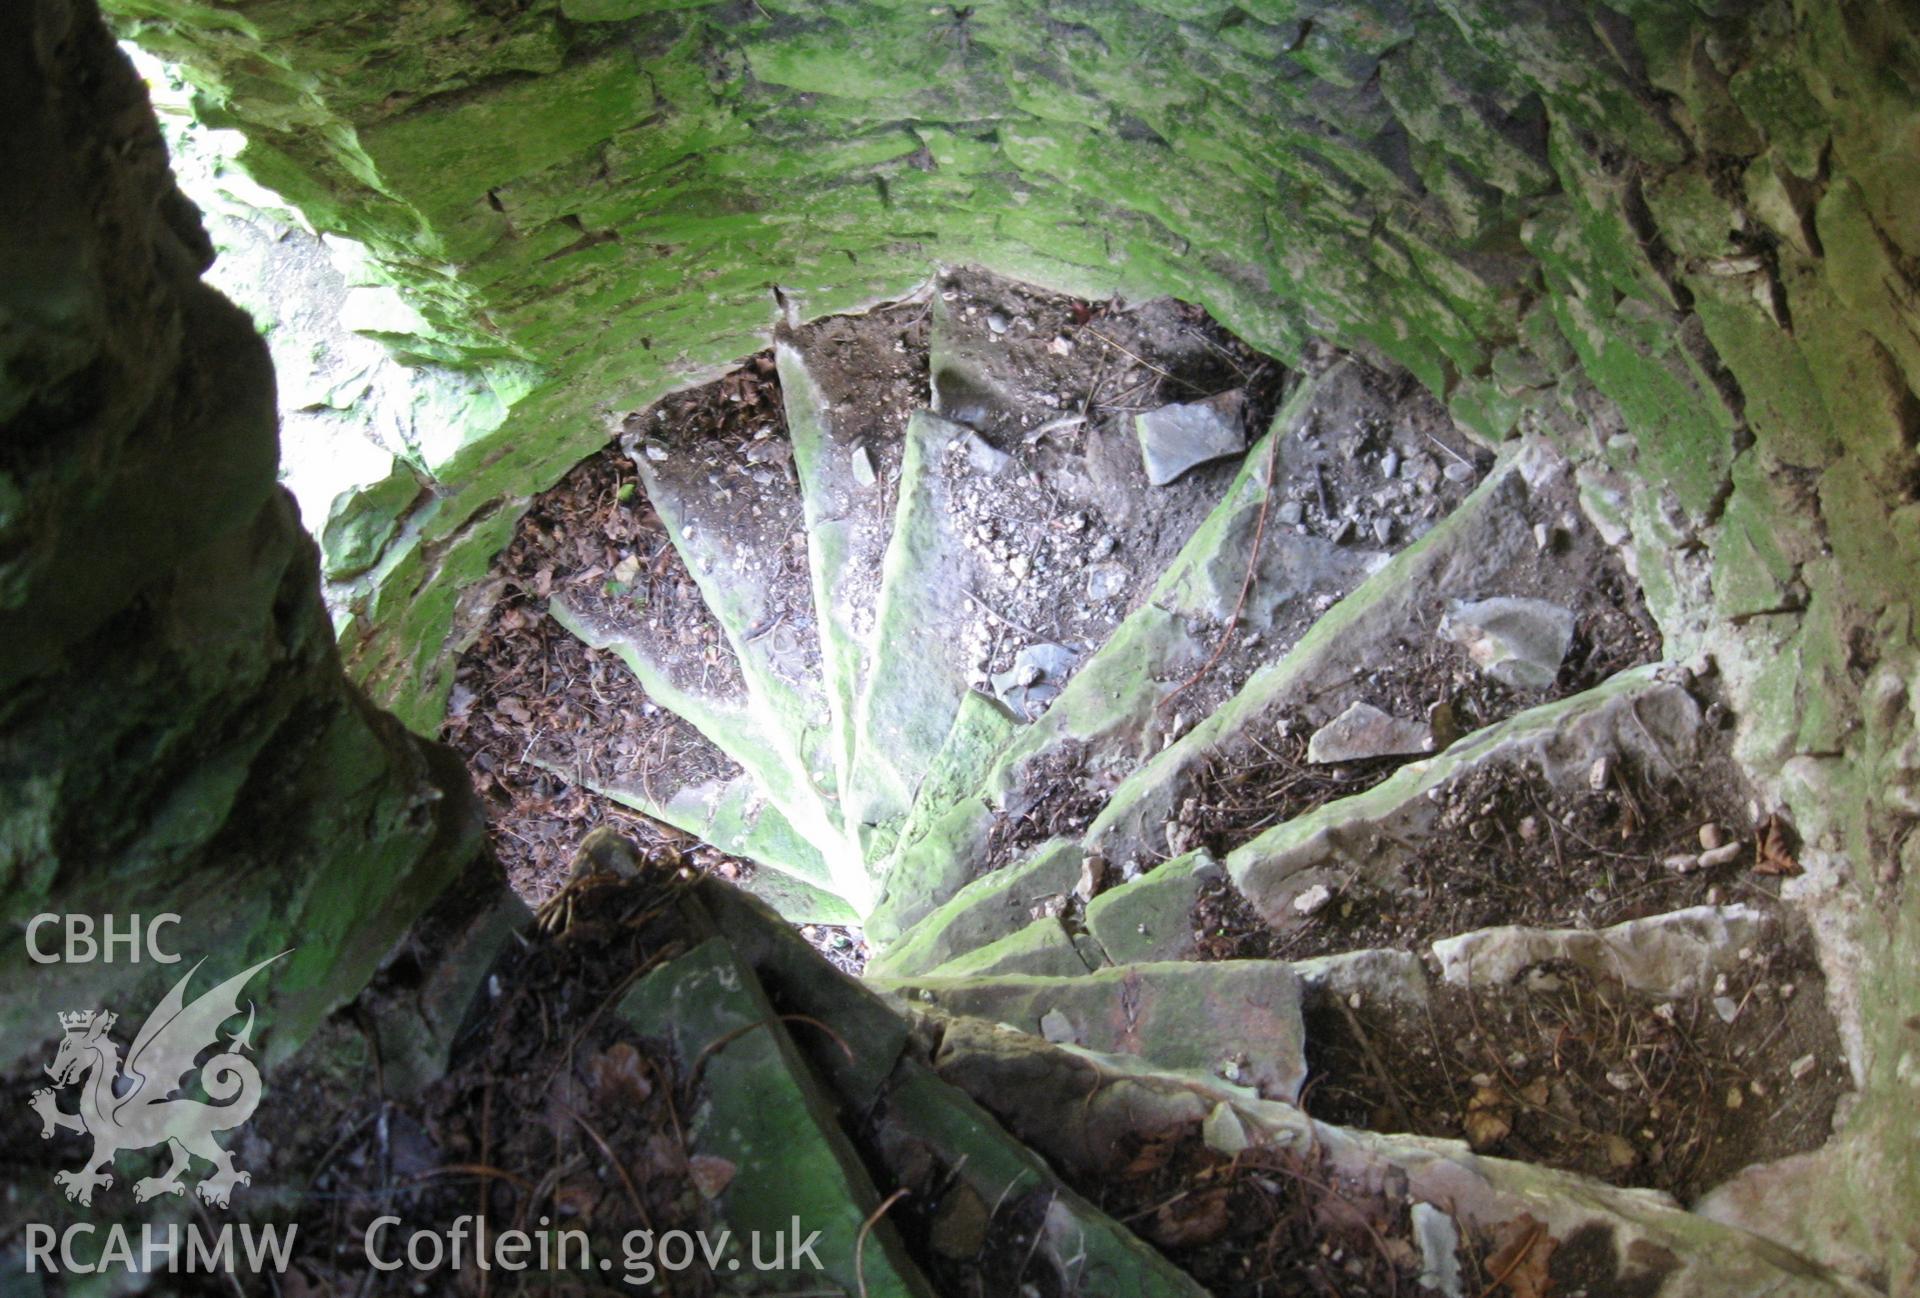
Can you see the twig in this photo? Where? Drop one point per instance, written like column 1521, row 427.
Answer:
column 633, row 1195
column 1374, row 1062
column 1000, row 617
column 1246, row 584
column 860, row 1240
column 1141, row 360
column 721, row 1042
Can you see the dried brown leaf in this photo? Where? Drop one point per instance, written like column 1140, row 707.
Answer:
column 1773, row 848
column 1191, row 1219
column 710, row 1174
column 1519, row 1264
column 1488, row 1118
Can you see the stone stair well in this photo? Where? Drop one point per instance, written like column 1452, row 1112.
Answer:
column 1152, row 647
column 1318, row 779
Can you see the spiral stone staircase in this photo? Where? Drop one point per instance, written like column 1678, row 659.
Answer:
column 1385, row 722
column 1296, row 849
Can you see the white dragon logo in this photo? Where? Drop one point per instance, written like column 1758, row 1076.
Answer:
column 136, row 1108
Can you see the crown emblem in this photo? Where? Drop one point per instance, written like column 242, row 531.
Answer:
column 79, row 1019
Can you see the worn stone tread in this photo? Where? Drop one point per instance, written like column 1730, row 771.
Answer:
column 1370, row 834
column 732, row 815
column 1236, row 1020
column 986, row 910
column 709, row 500
column 767, row 1115
column 735, row 729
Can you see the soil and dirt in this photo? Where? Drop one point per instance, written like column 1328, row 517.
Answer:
column 1268, row 1224
column 1576, row 1072
column 1510, row 848
column 530, row 699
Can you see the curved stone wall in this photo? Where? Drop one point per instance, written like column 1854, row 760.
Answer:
column 1680, row 237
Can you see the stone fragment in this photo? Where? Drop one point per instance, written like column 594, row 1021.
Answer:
column 1439, row 1240
column 1364, row 731
column 1720, row 855
column 1056, row 1027
column 1105, row 580
column 862, row 464
column 1291, row 512
column 1224, row 1132
column 1035, row 679
column 1313, row 900
column 1518, row 642
column 1176, row 438
column 1383, row 530
column 983, row 456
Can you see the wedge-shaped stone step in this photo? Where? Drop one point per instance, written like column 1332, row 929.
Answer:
column 984, row 912
column 1122, row 704
column 762, row 1112
column 1378, row 843
column 1046, row 947
column 1677, row 953
column 731, row 505
column 728, row 721
column 1150, row 917
column 969, row 1183
column 1385, row 651
column 849, row 384
column 981, row 729
column 1438, row 1205
column 734, row 816
column 1237, row 1020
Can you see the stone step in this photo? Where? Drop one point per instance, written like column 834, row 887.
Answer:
column 1382, row 647
column 764, row 1114
column 1237, row 1021
column 1110, row 716
column 732, row 508
column 968, row 1180
column 731, row 814
column 847, row 452
column 1045, row 947
column 913, row 876
column 984, row 911
column 1383, row 844
column 725, row 717
column 922, row 625
column 1087, row 1114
